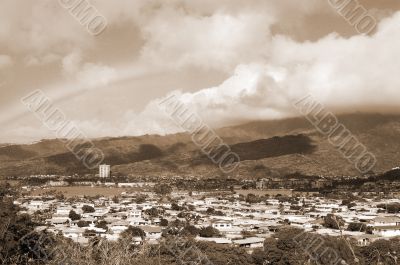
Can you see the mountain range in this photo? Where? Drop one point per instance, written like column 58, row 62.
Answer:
column 266, row 148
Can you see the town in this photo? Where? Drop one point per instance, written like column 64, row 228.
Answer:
column 244, row 214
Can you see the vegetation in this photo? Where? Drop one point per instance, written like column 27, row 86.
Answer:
column 359, row 227
column 163, row 189
column 164, row 222
column 133, row 232
column 21, row 244
column 88, row 209
column 74, row 216
column 209, row 232
column 390, row 208
column 82, row 223
column 334, row 222
column 102, row 224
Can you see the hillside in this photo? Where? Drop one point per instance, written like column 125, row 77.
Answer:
column 265, row 147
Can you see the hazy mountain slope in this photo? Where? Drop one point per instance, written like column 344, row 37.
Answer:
column 273, row 146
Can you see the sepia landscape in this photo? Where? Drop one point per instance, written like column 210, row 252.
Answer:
column 192, row 132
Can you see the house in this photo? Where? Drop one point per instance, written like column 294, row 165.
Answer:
column 217, row 240
column 365, row 239
column 251, row 242
column 321, row 183
column 73, row 232
column 221, row 225
column 33, row 206
column 137, row 221
column 119, row 226
column 261, row 185
column 57, row 183
column 126, row 185
column 153, row 232
column 386, row 231
column 137, row 240
column 64, row 211
column 135, row 213
column 58, row 221
column 327, row 207
column 386, row 221
column 90, row 220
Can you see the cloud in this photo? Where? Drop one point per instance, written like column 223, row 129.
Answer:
column 220, row 41
column 5, row 61
column 264, row 68
column 96, row 75
column 217, row 35
column 86, row 75
column 33, row 60
column 72, row 62
column 39, row 27
column 354, row 73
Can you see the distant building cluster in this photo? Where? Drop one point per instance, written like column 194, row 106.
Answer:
column 363, row 221
column 292, row 183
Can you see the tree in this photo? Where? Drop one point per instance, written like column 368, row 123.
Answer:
column 209, row 231
column 176, row 207
column 333, row 222
column 164, row 222
column 152, row 212
column 82, row 223
column 382, row 252
column 89, row 233
column 259, row 256
column 390, row 208
column 131, row 232
column 210, row 211
column 190, row 230
column 115, row 199
column 20, row 244
column 74, row 216
column 189, row 217
column 163, row 189
column 6, row 190
column 346, row 201
column 251, row 198
column 60, row 196
column 141, row 198
column 246, row 234
column 102, row 224
column 281, row 208
column 359, row 227
column 88, row 209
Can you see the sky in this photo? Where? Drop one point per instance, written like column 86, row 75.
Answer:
column 230, row 61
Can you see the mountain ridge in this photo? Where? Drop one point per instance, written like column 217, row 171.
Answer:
column 274, row 144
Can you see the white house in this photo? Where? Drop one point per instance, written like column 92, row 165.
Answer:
column 135, row 213
column 387, row 231
column 58, row 221
column 251, row 242
column 386, row 221
column 152, row 232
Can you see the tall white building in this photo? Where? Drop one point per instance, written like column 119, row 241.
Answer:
column 104, row 171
